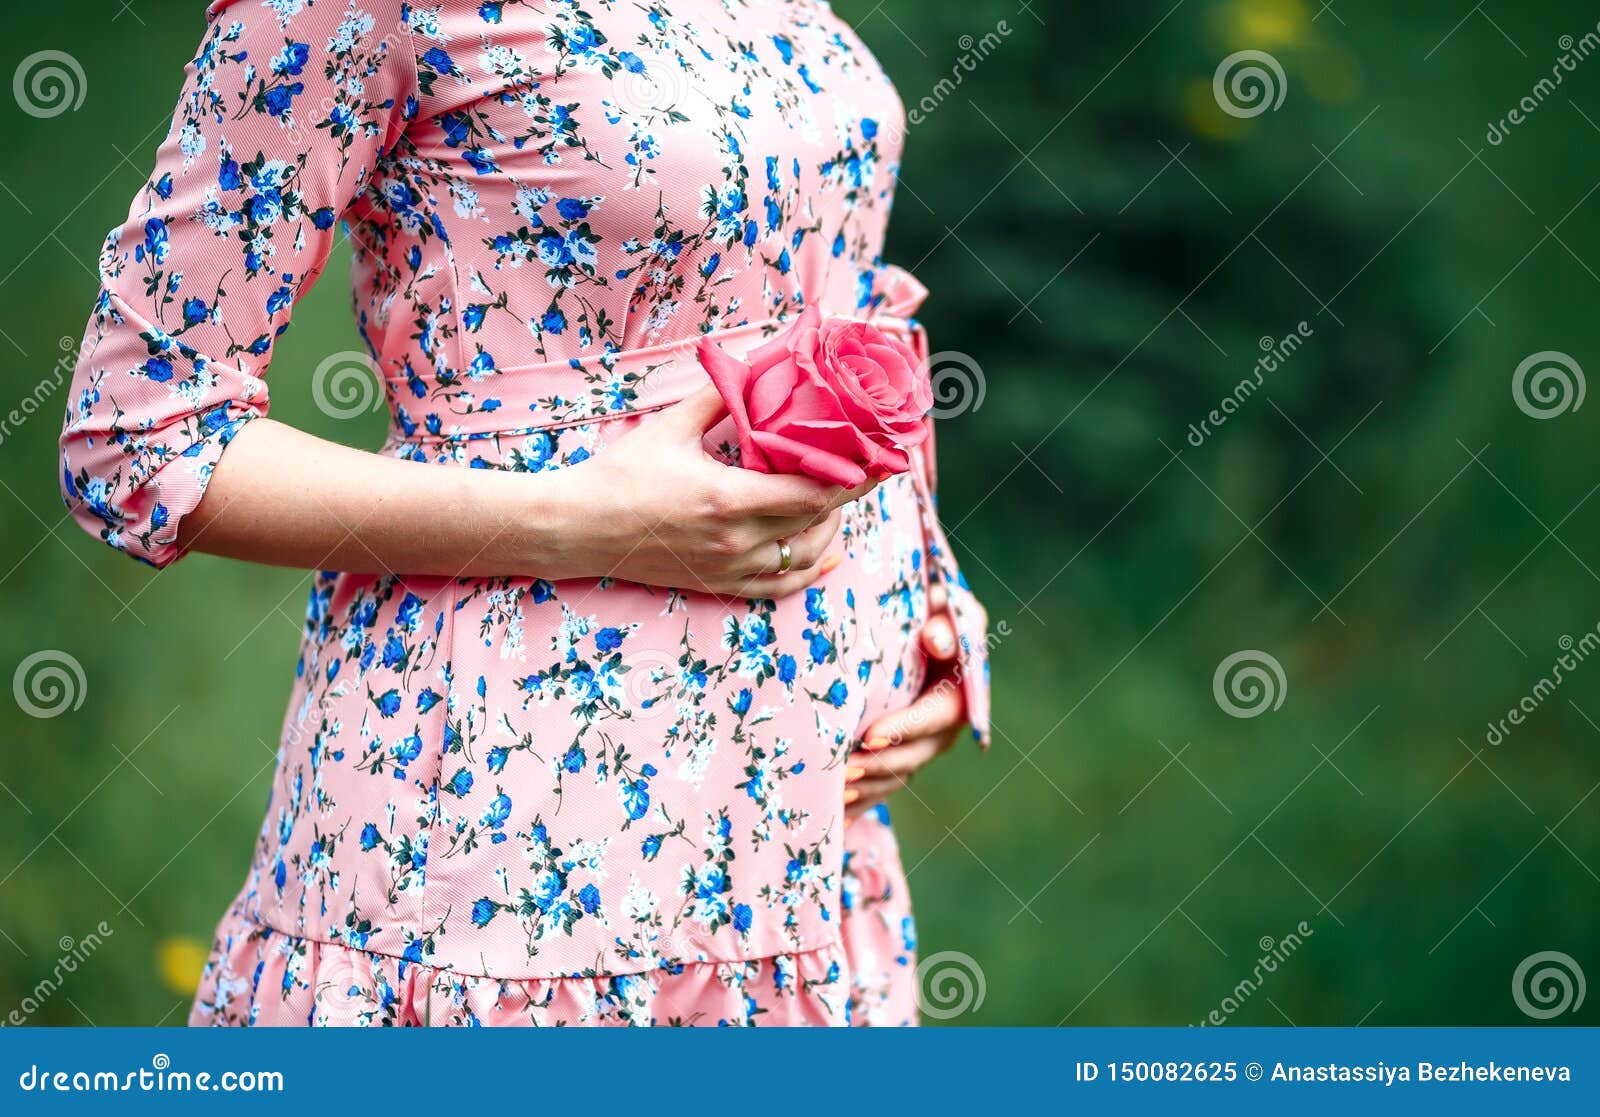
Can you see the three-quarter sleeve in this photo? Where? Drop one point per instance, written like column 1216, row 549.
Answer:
column 286, row 112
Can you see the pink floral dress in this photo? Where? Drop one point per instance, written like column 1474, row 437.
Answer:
column 507, row 800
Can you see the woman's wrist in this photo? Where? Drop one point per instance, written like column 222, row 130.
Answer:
column 574, row 522
column 532, row 524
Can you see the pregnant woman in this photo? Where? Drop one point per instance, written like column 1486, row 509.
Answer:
column 583, row 730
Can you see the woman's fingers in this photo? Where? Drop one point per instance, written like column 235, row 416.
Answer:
column 775, row 586
column 769, row 529
column 938, row 638
column 806, row 548
column 861, row 806
column 897, row 760
column 938, row 635
column 693, row 416
column 849, row 496
column 809, row 562
column 940, row 709
column 787, row 495
column 874, row 790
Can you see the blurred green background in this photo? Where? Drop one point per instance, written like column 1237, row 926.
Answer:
column 1381, row 518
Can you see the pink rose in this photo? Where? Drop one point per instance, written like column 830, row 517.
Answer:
column 831, row 398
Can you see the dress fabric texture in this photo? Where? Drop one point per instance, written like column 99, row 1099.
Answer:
column 506, row 800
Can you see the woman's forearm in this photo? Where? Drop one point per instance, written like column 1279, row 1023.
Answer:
column 286, row 498
column 654, row 508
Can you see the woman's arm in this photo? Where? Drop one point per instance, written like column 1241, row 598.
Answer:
column 654, row 508
column 167, row 447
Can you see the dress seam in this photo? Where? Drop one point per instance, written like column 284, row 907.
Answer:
column 446, row 648
column 255, row 920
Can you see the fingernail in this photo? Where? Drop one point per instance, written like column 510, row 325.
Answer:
column 851, row 775
column 875, row 743
column 830, row 564
column 851, row 795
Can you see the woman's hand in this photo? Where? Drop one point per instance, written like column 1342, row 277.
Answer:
column 898, row 744
column 659, row 510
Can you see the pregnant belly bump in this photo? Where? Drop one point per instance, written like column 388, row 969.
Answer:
column 544, row 778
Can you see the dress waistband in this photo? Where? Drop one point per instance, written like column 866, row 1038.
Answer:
column 603, row 386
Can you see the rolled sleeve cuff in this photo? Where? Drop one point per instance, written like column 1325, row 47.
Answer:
column 143, row 523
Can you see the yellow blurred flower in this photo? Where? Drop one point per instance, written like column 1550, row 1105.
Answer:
column 1263, row 24
column 1205, row 117
column 180, row 960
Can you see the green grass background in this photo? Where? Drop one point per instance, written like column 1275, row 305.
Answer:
column 1110, row 248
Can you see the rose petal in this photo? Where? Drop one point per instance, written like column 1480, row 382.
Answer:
column 877, row 453
column 839, row 436
column 812, row 461
column 783, row 344
column 731, row 376
column 771, row 390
